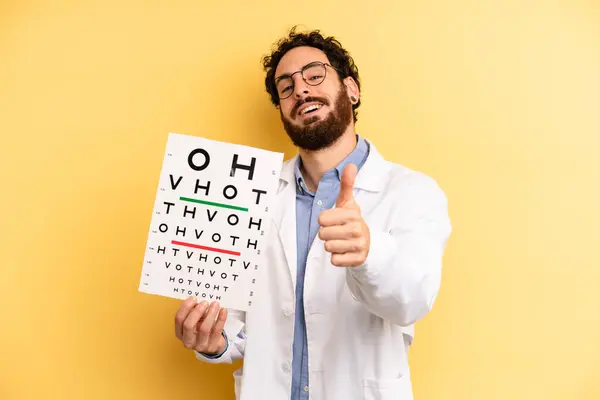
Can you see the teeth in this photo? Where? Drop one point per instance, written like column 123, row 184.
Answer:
column 310, row 108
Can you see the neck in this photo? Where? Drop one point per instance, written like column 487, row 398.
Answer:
column 316, row 163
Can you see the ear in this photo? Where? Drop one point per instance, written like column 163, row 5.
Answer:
column 352, row 88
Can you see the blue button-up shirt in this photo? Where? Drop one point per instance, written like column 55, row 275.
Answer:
column 308, row 207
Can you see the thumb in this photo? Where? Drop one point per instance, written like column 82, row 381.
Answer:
column 347, row 185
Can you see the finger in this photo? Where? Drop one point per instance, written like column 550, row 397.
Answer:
column 182, row 313
column 347, row 259
column 341, row 232
column 346, row 194
column 338, row 216
column 342, row 246
column 216, row 337
column 189, row 325
column 207, row 324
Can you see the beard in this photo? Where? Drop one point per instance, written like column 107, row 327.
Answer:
column 316, row 133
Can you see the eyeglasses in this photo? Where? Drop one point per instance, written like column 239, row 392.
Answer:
column 313, row 74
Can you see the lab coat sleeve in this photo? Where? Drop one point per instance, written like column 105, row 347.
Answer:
column 236, row 340
column 400, row 279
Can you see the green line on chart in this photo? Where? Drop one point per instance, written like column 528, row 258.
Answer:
column 210, row 203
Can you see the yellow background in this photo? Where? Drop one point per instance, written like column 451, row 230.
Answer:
column 498, row 101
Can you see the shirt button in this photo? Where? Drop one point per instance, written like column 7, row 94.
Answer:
column 285, row 367
column 320, row 202
column 287, row 312
column 306, row 388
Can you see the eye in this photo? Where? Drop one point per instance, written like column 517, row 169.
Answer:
column 284, row 86
column 316, row 77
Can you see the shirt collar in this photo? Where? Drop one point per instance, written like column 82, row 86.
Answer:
column 357, row 157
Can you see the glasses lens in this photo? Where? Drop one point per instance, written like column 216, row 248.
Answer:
column 285, row 87
column 314, row 74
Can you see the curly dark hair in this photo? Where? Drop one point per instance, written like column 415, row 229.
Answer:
column 337, row 55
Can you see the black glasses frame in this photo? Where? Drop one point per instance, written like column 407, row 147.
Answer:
column 301, row 72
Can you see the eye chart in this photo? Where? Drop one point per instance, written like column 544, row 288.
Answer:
column 210, row 221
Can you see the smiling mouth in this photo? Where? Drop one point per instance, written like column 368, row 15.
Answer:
column 310, row 109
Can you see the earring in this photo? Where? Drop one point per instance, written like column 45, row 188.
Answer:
column 353, row 99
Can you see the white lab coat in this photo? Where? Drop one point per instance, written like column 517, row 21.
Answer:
column 359, row 321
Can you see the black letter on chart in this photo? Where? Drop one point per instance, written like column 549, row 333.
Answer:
column 175, row 184
column 258, row 193
column 191, row 160
column 186, row 211
column 211, row 217
column 202, row 187
column 227, row 196
column 168, row 205
column 254, row 223
column 249, row 168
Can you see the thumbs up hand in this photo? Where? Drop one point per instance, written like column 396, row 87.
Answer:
column 344, row 231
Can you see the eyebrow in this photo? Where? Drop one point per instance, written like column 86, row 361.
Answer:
column 287, row 75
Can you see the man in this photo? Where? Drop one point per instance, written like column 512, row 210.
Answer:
column 355, row 254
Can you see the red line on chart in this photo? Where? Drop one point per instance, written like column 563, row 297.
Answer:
column 197, row 246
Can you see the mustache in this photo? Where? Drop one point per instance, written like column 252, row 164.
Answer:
column 307, row 100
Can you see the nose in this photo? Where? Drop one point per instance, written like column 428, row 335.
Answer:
column 301, row 88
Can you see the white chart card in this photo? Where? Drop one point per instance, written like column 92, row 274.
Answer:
column 210, row 221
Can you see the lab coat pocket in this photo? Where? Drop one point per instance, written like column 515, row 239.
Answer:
column 387, row 389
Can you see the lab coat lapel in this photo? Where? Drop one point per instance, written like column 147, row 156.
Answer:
column 284, row 216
